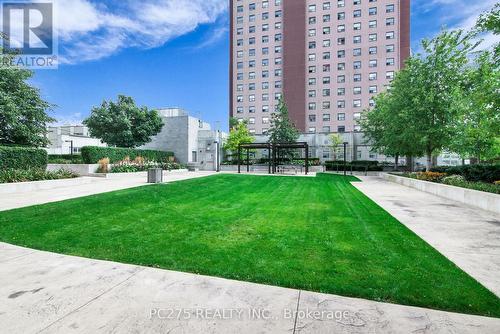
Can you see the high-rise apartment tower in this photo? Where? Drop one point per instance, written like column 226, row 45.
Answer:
column 328, row 58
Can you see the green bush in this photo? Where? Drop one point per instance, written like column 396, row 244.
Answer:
column 365, row 163
column 92, row 154
column 295, row 161
column 65, row 159
column 13, row 157
column 473, row 173
column 127, row 169
column 457, row 181
column 430, row 176
column 354, row 166
column 453, row 179
column 131, row 167
column 481, row 186
column 33, row 174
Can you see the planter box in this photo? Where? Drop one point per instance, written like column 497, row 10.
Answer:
column 80, row 169
column 10, row 188
column 474, row 198
column 137, row 174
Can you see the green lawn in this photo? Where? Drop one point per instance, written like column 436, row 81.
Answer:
column 318, row 234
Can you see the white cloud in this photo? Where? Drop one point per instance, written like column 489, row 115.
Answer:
column 72, row 119
column 460, row 14
column 91, row 30
column 220, row 31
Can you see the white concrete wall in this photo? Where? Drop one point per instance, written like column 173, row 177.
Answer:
column 173, row 137
column 183, row 135
column 10, row 188
column 474, row 198
column 62, row 145
column 60, row 138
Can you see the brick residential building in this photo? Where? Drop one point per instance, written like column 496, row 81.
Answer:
column 327, row 57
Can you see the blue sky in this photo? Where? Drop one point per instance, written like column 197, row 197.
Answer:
column 172, row 52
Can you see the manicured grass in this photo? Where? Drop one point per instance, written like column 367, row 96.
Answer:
column 318, row 234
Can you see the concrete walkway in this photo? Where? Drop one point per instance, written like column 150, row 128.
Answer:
column 44, row 292
column 468, row 236
column 94, row 185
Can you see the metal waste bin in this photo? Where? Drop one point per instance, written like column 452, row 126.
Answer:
column 155, row 175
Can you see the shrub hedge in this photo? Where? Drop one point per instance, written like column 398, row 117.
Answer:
column 365, row 163
column 92, row 154
column 33, row 174
column 455, row 180
column 14, row 157
column 355, row 166
column 65, row 159
column 473, row 173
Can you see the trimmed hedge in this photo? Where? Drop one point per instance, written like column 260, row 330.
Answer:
column 14, row 157
column 364, row 166
column 365, row 163
column 92, row 154
column 34, row 174
column 473, row 173
column 65, row 159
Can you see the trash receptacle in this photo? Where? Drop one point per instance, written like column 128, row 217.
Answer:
column 155, row 175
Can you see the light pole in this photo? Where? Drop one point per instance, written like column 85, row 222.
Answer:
column 217, row 155
column 71, row 148
column 345, row 158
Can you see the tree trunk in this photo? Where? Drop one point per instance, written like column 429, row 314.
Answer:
column 429, row 161
column 409, row 163
column 396, row 162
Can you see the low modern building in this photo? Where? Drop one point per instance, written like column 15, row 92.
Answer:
column 193, row 141
column 64, row 138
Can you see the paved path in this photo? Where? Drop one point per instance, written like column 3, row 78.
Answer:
column 44, row 292
column 93, row 185
column 468, row 236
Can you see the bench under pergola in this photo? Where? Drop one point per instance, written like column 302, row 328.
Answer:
column 274, row 153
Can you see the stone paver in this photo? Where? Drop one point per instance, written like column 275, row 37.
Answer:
column 43, row 292
column 96, row 185
column 468, row 236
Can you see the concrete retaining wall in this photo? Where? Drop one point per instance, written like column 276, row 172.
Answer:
column 10, row 188
column 474, row 198
column 80, row 169
column 137, row 174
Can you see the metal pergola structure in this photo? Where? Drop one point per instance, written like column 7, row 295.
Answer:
column 274, row 153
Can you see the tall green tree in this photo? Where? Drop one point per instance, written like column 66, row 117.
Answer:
column 23, row 112
column 233, row 122
column 385, row 126
column 490, row 22
column 478, row 129
column 282, row 129
column 437, row 81
column 123, row 123
column 238, row 134
column 335, row 141
column 421, row 114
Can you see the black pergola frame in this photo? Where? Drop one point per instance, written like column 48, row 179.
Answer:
column 274, row 150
